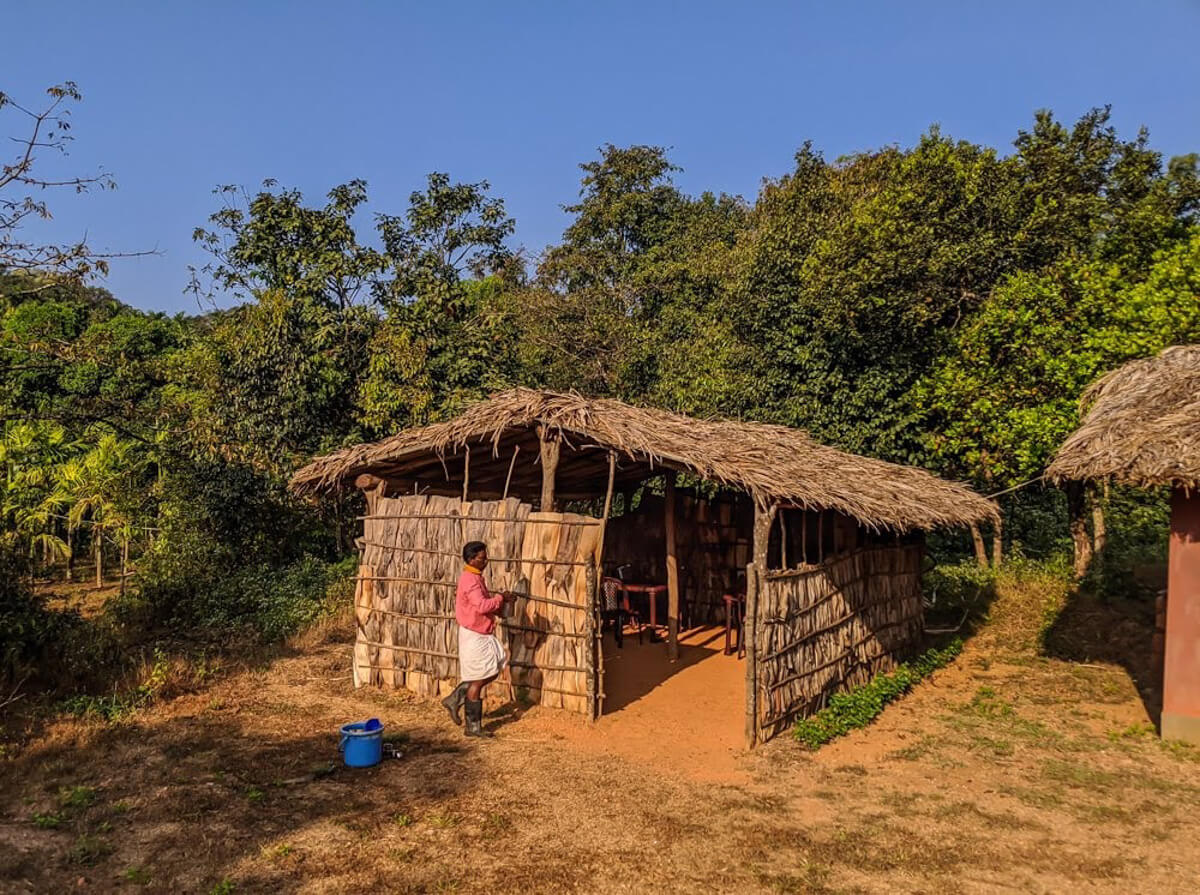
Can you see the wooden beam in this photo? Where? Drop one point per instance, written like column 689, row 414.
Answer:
column 550, row 448
column 672, row 572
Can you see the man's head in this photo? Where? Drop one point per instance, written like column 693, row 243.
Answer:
column 475, row 555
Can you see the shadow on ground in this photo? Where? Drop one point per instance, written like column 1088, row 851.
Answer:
column 192, row 796
column 1097, row 629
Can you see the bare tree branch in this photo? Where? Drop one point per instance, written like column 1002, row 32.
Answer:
column 46, row 129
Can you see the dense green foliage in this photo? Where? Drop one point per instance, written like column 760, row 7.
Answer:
column 943, row 305
column 859, row 707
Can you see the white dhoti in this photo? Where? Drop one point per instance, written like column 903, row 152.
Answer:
column 480, row 656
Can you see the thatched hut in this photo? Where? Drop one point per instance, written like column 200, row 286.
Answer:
column 826, row 545
column 1142, row 426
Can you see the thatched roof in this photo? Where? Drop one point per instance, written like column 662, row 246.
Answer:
column 1142, row 424
column 771, row 463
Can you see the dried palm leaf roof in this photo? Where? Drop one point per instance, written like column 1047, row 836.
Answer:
column 1142, row 424
column 771, row 463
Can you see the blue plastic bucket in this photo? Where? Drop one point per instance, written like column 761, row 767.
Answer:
column 362, row 743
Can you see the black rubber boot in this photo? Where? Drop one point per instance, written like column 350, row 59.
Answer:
column 454, row 703
column 475, row 718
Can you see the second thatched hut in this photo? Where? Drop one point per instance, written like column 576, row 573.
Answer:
column 1142, row 427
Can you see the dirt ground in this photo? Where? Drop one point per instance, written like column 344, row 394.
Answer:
column 1010, row 770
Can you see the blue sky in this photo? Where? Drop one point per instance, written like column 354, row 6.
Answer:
column 180, row 97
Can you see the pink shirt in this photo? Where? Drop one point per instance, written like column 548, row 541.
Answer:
column 474, row 607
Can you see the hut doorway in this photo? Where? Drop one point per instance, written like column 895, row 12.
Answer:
column 706, row 546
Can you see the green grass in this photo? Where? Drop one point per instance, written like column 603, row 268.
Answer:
column 75, row 798
column 138, row 875
column 89, row 849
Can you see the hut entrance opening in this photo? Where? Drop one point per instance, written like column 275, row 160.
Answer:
column 657, row 533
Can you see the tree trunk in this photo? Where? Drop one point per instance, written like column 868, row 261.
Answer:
column 1099, row 531
column 70, row 552
column 980, row 549
column 99, row 551
column 124, row 562
column 1076, row 507
column 997, row 542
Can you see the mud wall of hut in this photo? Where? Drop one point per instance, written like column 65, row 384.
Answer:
column 713, row 544
column 404, row 597
column 824, row 629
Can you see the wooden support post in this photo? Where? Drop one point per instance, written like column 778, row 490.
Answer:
column 997, row 541
column 763, row 517
column 751, row 658
column 550, row 448
column 783, row 535
column 672, row 571
column 592, row 644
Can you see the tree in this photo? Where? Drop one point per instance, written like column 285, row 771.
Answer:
column 1002, row 400
column 446, row 338
column 102, row 490
column 272, row 242
column 449, row 230
column 47, row 129
column 638, row 278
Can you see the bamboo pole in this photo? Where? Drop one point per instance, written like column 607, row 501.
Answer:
column 672, row 571
column 508, row 478
column 466, row 472
column 597, row 685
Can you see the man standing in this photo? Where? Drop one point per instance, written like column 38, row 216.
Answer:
column 480, row 653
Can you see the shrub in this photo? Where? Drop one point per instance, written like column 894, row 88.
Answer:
column 43, row 647
column 858, row 707
column 200, row 586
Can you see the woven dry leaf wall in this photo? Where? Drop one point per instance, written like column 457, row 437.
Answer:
column 404, row 599
column 826, row 629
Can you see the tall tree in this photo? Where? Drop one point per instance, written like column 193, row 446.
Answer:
column 445, row 339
